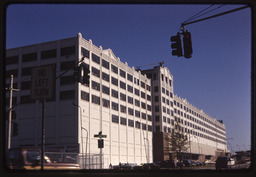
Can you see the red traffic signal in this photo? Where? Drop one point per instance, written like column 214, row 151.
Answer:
column 187, row 44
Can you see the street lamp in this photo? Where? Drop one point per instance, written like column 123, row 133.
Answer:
column 81, row 132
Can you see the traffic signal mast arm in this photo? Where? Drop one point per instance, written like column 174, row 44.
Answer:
column 71, row 67
column 213, row 16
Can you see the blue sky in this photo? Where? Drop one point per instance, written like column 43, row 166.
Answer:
column 216, row 78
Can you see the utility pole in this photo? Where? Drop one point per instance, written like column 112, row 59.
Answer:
column 11, row 89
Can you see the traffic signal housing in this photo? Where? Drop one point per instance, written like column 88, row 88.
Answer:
column 85, row 74
column 176, row 45
column 187, row 44
column 77, row 74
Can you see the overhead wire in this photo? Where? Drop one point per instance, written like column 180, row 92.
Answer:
column 199, row 13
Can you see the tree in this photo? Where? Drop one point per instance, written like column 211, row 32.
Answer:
column 177, row 141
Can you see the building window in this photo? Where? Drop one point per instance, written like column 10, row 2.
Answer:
column 130, row 100
column 67, row 95
column 95, row 58
column 85, row 52
column 105, row 64
column 150, row 128
column 143, row 105
column 130, row 88
column 95, row 99
column 129, row 77
column 67, row 51
column 143, row 95
column 114, row 81
column 106, row 103
column 154, row 75
column 105, row 76
column 85, row 96
column 115, row 119
column 137, row 103
column 137, row 124
column 114, row 106
column 163, row 99
column 12, row 60
column 130, row 123
column 148, row 88
column 164, row 118
column 144, row 126
column 48, row 54
column 95, row 72
column 137, row 92
column 29, row 57
column 167, row 92
column 95, row 85
column 149, row 118
column 164, row 109
column 163, row 90
column 156, row 89
column 143, row 116
column 149, row 107
column 122, row 73
column 105, row 89
column 123, row 121
column 114, row 69
column 114, row 93
column 157, row 119
column 137, row 113
column 122, row 85
column 157, row 108
column 130, row 111
column 156, row 98
column 123, row 109
column 122, row 97
column 142, row 84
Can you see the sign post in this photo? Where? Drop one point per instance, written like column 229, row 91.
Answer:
column 100, row 144
column 42, row 88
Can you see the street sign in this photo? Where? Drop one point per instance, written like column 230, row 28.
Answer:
column 43, row 82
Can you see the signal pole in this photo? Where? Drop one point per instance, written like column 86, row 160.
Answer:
column 11, row 89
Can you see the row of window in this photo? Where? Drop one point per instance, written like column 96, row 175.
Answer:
column 130, row 123
column 114, row 69
column 215, row 129
column 46, row 54
column 115, row 106
column 188, row 110
column 155, row 77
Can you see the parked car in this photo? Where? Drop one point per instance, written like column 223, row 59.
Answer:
column 30, row 159
column 224, row 162
column 180, row 164
column 187, row 163
column 167, row 164
column 150, row 166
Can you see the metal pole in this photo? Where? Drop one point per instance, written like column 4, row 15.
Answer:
column 42, row 136
column 10, row 113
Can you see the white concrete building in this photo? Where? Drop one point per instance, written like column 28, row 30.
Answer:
column 117, row 102
column 207, row 135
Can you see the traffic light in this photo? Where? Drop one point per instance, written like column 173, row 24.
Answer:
column 77, row 74
column 85, row 74
column 15, row 128
column 176, row 45
column 187, row 44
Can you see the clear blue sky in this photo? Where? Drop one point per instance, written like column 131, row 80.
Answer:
column 216, row 78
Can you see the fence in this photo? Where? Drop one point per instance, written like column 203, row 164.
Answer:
column 86, row 161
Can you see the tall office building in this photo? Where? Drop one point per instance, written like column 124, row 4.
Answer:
column 117, row 103
column 206, row 135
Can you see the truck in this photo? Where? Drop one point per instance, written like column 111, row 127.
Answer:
column 30, row 159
